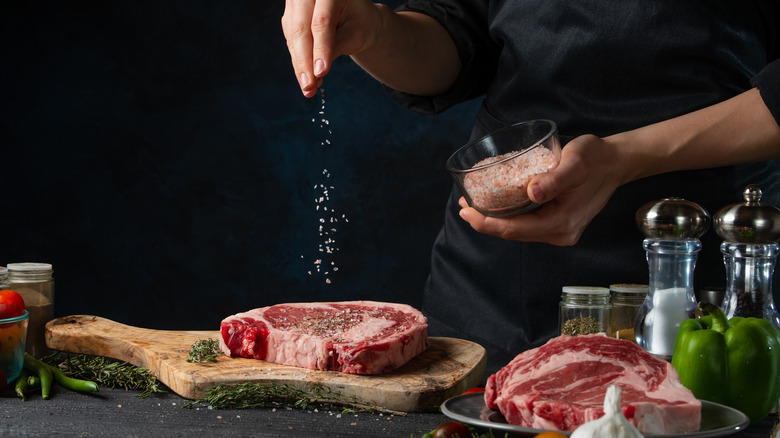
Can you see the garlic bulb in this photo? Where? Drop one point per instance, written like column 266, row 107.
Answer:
column 613, row 424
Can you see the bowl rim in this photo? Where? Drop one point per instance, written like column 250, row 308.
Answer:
column 19, row 318
column 553, row 129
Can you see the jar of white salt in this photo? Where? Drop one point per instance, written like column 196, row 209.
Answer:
column 35, row 284
column 673, row 227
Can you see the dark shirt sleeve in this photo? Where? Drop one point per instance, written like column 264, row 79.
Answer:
column 467, row 23
column 768, row 83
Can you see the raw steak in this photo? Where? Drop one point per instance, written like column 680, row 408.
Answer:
column 356, row 337
column 562, row 384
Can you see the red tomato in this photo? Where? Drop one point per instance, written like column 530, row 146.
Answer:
column 473, row 390
column 11, row 304
column 3, row 382
column 451, row 429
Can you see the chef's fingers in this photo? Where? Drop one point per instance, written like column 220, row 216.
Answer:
column 324, row 21
column 296, row 24
column 536, row 226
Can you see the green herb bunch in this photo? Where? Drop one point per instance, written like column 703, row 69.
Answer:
column 107, row 373
column 270, row 395
column 204, row 350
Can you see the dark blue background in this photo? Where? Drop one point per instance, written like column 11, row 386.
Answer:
column 161, row 157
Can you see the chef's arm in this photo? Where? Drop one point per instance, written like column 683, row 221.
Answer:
column 406, row 51
column 738, row 130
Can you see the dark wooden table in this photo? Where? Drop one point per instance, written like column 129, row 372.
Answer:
column 119, row 413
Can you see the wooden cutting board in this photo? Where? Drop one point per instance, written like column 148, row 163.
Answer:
column 447, row 368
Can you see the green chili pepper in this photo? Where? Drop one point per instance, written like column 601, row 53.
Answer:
column 43, row 371
column 71, row 383
column 22, row 384
column 734, row 362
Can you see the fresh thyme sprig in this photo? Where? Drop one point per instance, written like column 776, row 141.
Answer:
column 204, row 350
column 107, row 373
column 270, row 395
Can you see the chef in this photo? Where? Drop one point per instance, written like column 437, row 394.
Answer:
column 652, row 99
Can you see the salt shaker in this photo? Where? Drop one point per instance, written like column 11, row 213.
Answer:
column 672, row 227
column 751, row 231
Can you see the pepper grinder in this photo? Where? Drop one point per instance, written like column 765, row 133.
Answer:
column 672, row 227
column 751, row 231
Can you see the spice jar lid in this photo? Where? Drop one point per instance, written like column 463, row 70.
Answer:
column 629, row 288
column 590, row 290
column 29, row 267
column 749, row 222
column 672, row 218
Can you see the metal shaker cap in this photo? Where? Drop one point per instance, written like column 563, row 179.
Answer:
column 749, row 222
column 672, row 218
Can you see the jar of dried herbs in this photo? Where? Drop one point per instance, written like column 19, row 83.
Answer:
column 584, row 310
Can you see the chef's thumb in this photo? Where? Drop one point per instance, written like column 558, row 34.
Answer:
column 543, row 187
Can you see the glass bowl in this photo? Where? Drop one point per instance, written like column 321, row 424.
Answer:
column 13, row 336
column 493, row 172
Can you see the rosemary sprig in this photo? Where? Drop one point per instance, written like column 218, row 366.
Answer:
column 108, row 373
column 204, row 350
column 270, row 395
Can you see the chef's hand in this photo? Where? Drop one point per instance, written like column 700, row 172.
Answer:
column 573, row 193
column 318, row 31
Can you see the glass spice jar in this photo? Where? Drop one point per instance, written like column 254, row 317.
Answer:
column 35, row 284
column 584, row 310
column 626, row 300
column 4, row 284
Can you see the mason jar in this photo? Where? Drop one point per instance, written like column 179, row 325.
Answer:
column 34, row 282
column 626, row 300
column 4, row 284
column 584, row 310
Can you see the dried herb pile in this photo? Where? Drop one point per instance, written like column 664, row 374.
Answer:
column 107, row 373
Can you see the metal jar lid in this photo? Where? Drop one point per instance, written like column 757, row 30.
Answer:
column 672, row 218
column 749, row 222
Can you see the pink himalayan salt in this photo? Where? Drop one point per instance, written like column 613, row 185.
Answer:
column 506, row 184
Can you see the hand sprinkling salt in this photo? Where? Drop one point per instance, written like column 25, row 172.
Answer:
column 613, row 424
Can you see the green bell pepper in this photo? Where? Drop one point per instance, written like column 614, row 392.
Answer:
column 734, row 362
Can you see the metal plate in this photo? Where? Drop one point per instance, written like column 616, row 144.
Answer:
column 716, row 420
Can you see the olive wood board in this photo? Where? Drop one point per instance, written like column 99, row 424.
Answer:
column 447, row 368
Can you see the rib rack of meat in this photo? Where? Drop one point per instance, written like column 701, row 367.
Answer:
column 562, row 384
column 356, row 337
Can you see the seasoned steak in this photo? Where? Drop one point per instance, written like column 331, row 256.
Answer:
column 562, row 384
column 356, row 337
